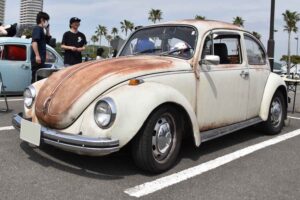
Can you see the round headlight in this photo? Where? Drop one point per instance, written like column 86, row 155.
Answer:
column 29, row 95
column 105, row 113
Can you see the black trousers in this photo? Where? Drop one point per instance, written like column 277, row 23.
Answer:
column 34, row 68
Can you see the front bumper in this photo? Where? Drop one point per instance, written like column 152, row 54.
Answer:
column 73, row 143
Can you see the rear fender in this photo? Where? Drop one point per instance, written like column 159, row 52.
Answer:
column 274, row 84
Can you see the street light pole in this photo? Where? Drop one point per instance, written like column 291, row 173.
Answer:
column 297, row 52
column 271, row 41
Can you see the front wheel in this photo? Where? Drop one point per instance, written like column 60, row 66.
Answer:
column 156, row 147
column 277, row 114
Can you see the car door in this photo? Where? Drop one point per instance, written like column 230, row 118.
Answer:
column 222, row 97
column 259, row 71
column 15, row 67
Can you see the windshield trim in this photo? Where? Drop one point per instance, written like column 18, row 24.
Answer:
column 162, row 25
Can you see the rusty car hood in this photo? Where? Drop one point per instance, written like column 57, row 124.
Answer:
column 66, row 93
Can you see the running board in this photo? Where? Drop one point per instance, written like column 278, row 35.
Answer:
column 219, row 132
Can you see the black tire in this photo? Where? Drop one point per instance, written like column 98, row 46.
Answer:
column 269, row 126
column 147, row 150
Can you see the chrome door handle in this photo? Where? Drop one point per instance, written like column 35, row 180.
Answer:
column 244, row 74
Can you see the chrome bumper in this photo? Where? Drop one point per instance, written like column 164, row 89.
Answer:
column 74, row 143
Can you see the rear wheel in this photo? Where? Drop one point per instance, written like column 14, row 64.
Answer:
column 156, row 147
column 277, row 114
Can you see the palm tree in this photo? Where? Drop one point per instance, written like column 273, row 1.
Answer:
column 200, row 17
column 257, row 35
column 108, row 38
column 155, row 15
column 114, row 31
column 126, row 26
column 94, row 39
column 291, row 19
column 100, row 31
column 239, row 21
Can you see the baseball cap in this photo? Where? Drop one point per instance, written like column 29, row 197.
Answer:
column 74, row 19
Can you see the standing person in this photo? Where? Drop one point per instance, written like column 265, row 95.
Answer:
column 73, row 43
column 40, row 37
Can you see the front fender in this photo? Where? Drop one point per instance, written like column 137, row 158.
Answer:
column 273, row 84
column 134, row 104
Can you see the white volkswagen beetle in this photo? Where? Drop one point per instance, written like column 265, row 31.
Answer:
column 204, row 78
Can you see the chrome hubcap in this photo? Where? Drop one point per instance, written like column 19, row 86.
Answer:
column 163, row 136
column 276, row 112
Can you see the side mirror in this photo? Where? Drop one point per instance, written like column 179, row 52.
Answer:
column 52, row 42
column 210, row 60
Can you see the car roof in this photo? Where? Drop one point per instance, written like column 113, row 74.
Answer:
column 18, row 40
column 14, row 40
column 204, row 25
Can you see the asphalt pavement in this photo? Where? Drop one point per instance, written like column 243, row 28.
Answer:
column 272, row 172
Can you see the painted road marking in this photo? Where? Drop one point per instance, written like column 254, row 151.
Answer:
column 164, row 182
column 2, row 100
column 6, row 128
column 294, row 117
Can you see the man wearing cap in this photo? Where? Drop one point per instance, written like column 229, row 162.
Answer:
column 73, row 43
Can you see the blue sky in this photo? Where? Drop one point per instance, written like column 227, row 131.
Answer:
column 111, row 12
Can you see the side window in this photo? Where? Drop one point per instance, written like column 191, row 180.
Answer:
column 255, row 53
column 50, row 57
column 226, row 46
column 14, row 53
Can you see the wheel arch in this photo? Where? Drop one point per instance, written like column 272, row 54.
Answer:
column 274, row 84
column 186, row 123
column 148, row 97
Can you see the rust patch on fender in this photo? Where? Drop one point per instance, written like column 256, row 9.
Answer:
column 64, row 88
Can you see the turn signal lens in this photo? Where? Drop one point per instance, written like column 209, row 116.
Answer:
column 135, row 82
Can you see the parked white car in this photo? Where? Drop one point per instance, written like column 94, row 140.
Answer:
column 191, row 77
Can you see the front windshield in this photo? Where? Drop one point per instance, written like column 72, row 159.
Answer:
column 178, row 41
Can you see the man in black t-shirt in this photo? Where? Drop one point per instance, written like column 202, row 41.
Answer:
column 40, row 37
column 73, row 43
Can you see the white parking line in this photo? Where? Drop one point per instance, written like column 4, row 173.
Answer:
column 161, row 183
column 6, row 128
column 2, row 100
column 294, row 117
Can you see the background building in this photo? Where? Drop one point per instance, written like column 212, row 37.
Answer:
column 2, row 10
column 29, row 10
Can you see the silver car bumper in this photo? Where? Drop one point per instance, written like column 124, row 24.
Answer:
column 73, row 143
